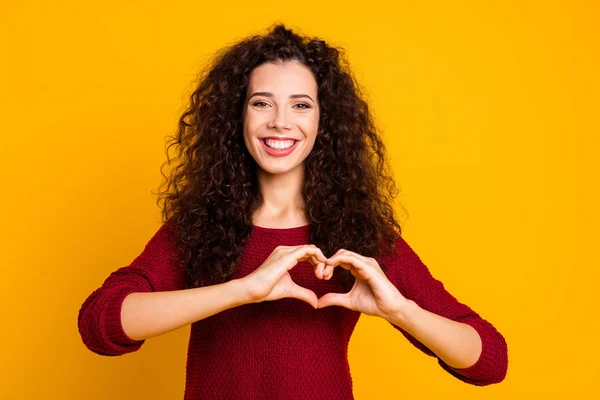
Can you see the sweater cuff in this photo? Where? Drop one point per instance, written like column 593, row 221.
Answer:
column 113, row 323
column 482, row 371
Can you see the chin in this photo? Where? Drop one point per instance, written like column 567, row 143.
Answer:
column 270, row 169
column 277, row 168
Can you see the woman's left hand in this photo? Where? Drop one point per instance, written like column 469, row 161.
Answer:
column 372, row 293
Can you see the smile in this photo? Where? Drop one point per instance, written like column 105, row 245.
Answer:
column 279, row 148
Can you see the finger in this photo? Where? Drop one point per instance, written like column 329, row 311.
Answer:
column 351, row 262
column 319, row 270
column 314, row 260
column 335, row 299
column 345, row 258
column 325, row 271
column 309, row 252
column 344, row 251
column 320, row 257
column 357, row 255
column 339, row 252
column 368, row 260
column 328, row 271
column 305, row 294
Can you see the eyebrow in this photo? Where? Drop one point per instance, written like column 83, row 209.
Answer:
column 269, row 94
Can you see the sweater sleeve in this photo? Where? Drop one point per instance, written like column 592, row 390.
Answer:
column 414, row 280
column 99, row 319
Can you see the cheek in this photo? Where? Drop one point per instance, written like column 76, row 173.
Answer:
column 253, row 121
column 249, row 133
column 309, row 125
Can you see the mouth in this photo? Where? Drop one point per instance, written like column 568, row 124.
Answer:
column 279, row 148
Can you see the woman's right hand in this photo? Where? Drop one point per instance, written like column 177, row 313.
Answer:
column 271, row 281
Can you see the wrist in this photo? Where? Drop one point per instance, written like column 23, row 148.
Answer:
column 243, row 294
column 404, row 314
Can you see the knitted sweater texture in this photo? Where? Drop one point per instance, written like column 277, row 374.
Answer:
column 281, row 349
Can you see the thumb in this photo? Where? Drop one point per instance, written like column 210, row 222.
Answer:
column 304, row 294
column 334, row 299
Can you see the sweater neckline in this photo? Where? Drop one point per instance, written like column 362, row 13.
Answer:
column 291, row 229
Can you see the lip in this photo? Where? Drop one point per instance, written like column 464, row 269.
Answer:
column 278, row 153
column 277, row 138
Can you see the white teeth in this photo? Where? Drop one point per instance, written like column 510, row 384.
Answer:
column 279, row 144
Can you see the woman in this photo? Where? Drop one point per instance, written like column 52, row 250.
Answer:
column 281, row 179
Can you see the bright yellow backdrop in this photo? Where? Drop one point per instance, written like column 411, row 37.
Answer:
column 490, row 112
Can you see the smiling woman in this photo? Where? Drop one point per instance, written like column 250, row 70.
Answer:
column 278, row 233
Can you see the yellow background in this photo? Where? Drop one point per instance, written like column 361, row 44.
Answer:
column 490, row 112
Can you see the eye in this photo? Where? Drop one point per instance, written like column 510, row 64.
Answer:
column 306, row 106
column 259, row 104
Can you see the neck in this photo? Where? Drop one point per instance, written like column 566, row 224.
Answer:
column 282, row 201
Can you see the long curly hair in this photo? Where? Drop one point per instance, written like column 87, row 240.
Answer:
column 212, row 190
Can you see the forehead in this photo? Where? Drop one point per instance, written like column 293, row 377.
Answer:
column 282, row 77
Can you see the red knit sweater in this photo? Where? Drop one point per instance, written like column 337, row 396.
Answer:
column 281, row 349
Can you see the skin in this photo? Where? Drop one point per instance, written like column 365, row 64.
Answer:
column 277, row 114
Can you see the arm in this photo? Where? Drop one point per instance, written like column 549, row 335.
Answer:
column 145, row 315
column 466, row 345
column 148, row 298
column 456, row 343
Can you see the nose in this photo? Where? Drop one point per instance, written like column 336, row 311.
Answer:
column 280, row 120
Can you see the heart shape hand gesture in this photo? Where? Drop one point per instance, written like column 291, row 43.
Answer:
column 372, row 293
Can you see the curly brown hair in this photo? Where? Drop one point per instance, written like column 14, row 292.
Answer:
column 348, row 191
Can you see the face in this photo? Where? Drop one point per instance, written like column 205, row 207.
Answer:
column 281, row 110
